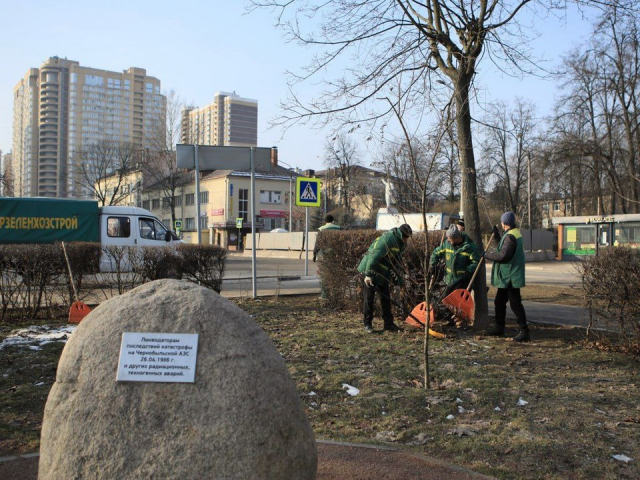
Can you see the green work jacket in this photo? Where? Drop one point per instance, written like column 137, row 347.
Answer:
column 383, row 260
column 508, row 271
column 460, row 262
column 329, row 226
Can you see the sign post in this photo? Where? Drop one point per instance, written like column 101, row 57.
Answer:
column 239, row 227
column 307, row 195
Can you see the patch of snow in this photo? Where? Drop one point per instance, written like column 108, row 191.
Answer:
column 498, row 409
column 450, row 417
column 351, row 390
column 622, row 458
column 458, row 400
column 522, row 402
column 39, row 384
column 311, row 394
column 37, row 335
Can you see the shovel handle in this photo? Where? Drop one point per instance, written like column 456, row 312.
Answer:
column 478, row 267
column 73, row 284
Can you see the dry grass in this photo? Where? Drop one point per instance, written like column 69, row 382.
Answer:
column 583, row 403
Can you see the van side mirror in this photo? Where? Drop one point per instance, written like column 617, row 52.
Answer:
column 167, row 236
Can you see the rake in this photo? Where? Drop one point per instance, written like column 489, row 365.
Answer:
column 78, row 309
column 460, row 302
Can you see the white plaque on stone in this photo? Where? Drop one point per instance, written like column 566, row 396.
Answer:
column 158, row 357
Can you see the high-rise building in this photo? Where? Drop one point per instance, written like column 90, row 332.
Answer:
column 228, row 120
column 62, row 107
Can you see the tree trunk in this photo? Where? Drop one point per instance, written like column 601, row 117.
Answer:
column 470, row 192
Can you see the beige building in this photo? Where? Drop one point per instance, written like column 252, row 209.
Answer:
column 62, row 107
column 229, row 120
column 225, row 197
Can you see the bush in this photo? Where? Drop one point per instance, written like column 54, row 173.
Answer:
column 203, row 264
column 341, row 253
column 27, row 271
column 156, row 263
column 611, row 282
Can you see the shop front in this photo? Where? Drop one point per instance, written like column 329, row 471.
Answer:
column 584, row 236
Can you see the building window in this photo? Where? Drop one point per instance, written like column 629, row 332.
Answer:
column 556, row 206
column 243, row 204
column 190, row 199
column 177, row 201
column 155, row 203
column 204, row 197
column 190, row 223
column 119, row 227
column 268, row 196
column 165, row 202
column 204, row 223
column 145, row 204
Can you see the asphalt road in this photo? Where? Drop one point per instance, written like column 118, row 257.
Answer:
column 239, row 267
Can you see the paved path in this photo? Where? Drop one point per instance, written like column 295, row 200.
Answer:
column 336, row 461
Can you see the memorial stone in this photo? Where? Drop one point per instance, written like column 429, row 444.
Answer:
column 240, row 418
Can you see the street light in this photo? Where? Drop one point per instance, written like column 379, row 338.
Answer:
column 529, row 199
column 290, row 192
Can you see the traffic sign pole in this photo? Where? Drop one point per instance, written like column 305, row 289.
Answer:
column 253, row 225
column 306, row 242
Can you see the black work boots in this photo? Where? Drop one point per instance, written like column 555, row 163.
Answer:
column 498, row 331
column 495, row 331
column 522, row 336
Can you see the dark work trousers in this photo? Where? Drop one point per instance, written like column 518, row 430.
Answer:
column 369, row 304
column 515, row 302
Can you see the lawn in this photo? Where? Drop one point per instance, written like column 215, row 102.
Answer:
column 552, row 408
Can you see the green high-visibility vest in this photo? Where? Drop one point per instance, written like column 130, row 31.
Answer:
column 510, row 273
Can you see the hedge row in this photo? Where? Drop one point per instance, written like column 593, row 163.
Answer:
column 35, row 283
column 341, row 253
column 611, row 282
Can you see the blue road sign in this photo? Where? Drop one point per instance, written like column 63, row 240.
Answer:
column 307, row 192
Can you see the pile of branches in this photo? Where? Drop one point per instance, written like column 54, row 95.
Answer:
column 35, row 281
column 611, row 281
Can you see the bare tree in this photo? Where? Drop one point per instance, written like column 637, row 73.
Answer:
column 342, row 160
column 159, row 167
column 507, row 149
column 7, row 180
column 411, row 43
column 101, row 170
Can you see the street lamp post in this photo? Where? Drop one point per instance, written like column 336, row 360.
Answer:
column 529, row 199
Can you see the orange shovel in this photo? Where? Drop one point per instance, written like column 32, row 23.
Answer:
column 78, row 309
column 460, row 301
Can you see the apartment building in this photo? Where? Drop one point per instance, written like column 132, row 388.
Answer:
column 229, row 120
column 63, row 107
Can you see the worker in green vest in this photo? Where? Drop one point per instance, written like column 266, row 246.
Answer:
column 508, row 276
column 382, row 268
column 328, row 226
column 460, row 256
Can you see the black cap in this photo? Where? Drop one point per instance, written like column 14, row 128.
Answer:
column 406, row 231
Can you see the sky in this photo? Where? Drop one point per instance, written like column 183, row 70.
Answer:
column 197, row 48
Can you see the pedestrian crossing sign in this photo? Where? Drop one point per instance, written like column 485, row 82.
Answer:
column 307, row 192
